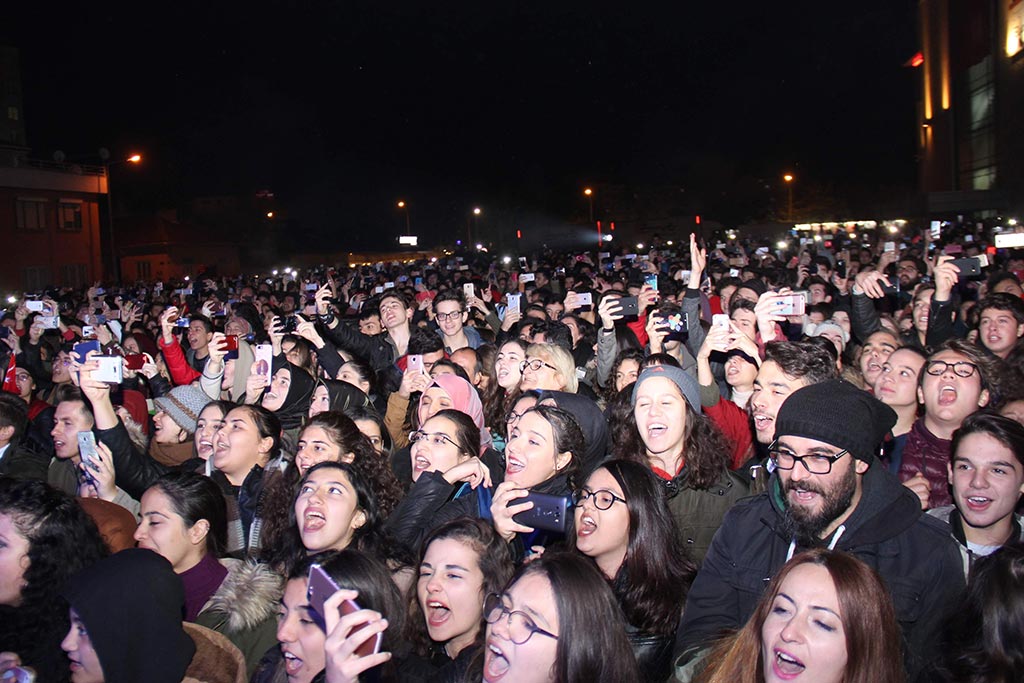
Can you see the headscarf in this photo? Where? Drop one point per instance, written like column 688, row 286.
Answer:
column 591, row 421
column 296, row 404
column 342, row 396
column 465, row 400
column 131, row 604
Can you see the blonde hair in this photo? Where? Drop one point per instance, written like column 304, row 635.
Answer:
column 560, row 359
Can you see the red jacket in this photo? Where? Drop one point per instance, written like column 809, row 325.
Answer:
column 177, row 365
column 735, row 426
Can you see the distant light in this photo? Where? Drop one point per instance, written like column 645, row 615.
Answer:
column 275, row 272
column 186, row 278
column 893, row 229
column 12, row 299
column 917, row 60
column 669, row 243
column 270, row 214
column 853, row 235
column 588, row 192
column 135, row 158
column 607, row 238
column 458, row 243
column 782, row 244
column 640, row 245
column 401, row 205
column 731, row 235
column 519, row 234
column 1012, row 221
column 479, row 246
column 506, row 259
column 817, row 238
column 433, row 259
column 476, row 211
column 788, row 177
column 409, row 240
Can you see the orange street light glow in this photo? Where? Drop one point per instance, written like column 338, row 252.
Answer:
column 135, row 158
column 588, row 192
column 401, row 205
column 476, row 211
column 788, row 178
column 270, row 214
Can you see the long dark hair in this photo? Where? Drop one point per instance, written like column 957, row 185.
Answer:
column 592, row 643
column 497, row 402
column 655, row 576
column 705, row 450
column 62, row 539
column 981, row 640
column 467, row 434
column 195, row 497
column 568, row 437
column 869, row 622
column 493, row 556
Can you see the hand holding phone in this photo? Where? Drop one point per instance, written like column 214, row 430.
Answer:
column 320, row 587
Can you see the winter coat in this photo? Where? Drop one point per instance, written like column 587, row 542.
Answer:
column 20, row 462
column 951, row 515
column 912, row 552
column 699, row 512
column 216, row 660
column 928, row 454
column 244, row 609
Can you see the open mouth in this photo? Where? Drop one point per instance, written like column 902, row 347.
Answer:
column 420, row 464
column 292, row 664
column 313, row 520
column 655, row 430
column 978, row 503
column 514, row 465
column 787, row 666
column 496, row 664
column 587, row 526
column 763, row 422
column 437, row 612
column 947, row 395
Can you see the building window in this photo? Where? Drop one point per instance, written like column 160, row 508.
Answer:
column 74, row 275
column 12, row 113
column 36, row 278
column 142, row 270
column 31, row 214
column 70, row 216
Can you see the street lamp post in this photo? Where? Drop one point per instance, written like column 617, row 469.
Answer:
column 471, row 223
column 789, row 186
column 590, row 201
column 114, row 261
column 405, row 208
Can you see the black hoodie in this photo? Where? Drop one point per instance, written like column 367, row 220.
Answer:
column 132, row 605
column 914, row 554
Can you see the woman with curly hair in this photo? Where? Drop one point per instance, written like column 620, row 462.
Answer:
column 685, row 450
column 327, row 437
column 45, row 538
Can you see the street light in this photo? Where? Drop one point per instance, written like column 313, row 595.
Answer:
column 590, row 201
column 471, row 223
column 789, row 186
column 114, row 261
column 405, row 207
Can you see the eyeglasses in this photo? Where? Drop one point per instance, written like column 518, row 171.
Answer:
column 602, row 499
column 960, row 368
column 535, row 365
column 454, row 315
column 520, row 626
column 435, row 439
column 815, row 464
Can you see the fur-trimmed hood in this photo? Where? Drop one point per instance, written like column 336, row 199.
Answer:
column 248, row 596
column 216, row 660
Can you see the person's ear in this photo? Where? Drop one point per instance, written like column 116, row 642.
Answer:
column 182, row 435
column 920, row 396
column 358, row 519
column 949, row 473
column 983, row 398
column 562, row 460
column 265, row 444
column 860, row 466
column 198, row 532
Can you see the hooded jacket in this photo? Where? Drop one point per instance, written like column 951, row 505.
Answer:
column 591, row 420
column 913, row 553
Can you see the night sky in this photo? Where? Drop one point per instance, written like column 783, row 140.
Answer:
column 341, row 108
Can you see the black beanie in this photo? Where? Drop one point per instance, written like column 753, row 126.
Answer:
column 754, row 284
column 132, row 605
column 839, row 414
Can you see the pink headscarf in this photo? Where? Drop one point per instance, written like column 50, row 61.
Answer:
column 465, row 400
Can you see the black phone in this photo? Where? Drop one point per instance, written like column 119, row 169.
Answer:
column 290, row 324
column 549, row 513
column 841, row 268
column 969, row 266
column 630, row 305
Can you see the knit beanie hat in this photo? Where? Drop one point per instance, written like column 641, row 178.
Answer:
column 183, row 404
column 829, row 326
column 687, row 385
column 839, row 414
column 754, row 284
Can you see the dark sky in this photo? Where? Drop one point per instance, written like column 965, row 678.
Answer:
column 343, row 107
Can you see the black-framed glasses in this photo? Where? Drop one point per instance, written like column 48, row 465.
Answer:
column 535, row 365
column 454, row 315
column 435, row 439
column 603, row 499
column 785, row 459
column 513, row 417
column 520, row 626
column 961, row 368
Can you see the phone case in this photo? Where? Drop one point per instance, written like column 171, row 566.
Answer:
column 548, row 513
column 264, row 354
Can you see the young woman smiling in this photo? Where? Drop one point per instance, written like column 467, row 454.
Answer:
column 826, row 617
column 624, row 525
column 461, row 562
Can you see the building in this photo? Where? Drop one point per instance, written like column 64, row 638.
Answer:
column 970, row 139
column 49, row 222
column 162, row 247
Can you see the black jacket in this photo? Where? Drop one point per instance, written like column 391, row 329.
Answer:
column 914, row 554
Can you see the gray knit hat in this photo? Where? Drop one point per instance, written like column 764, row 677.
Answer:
column 688, row 386
column 183, row 404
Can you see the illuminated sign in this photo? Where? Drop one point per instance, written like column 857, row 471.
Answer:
column 411, row 240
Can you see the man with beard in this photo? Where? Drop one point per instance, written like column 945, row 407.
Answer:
column 827, row 490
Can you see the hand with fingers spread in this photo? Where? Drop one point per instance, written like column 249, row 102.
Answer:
column 502, row 512
column 870, row 282
column 698, row 260
column 472, row 471
column 346, row 634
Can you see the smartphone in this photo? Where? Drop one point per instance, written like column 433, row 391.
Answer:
column 312, row 286
column 841, row 268
column 18, row 674
column 936, row 230
column 467, row 290
column 418, row 282
column 110, row 370
column 389, row 285
column 969, row 266
column 585, row 299
column 548, row 513
column 264, row 355
column 676, row 324
column 890, row 246
column 36, row 306
column 320, row 587
column 49, row 322
column 720, row 320
column 290, row 324
column 134, row 361
column 1010, row 240
column 231, row 342
column 181, row 321
column 87, row 448
column 651, row 280
column 527, row 277
column 378, row 290
column 792, row 304
column 522, row 263
column 416, row 363
column 82, row 349
column 734, row 272
column 630, row 305
column 88, row 331
column 4, row 331
column 513, row 302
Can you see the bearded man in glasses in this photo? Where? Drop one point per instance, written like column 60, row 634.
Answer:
column 827, row 490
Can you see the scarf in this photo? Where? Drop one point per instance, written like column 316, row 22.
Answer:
column 171, row 454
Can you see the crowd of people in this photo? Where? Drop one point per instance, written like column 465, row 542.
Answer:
column 727, row 462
